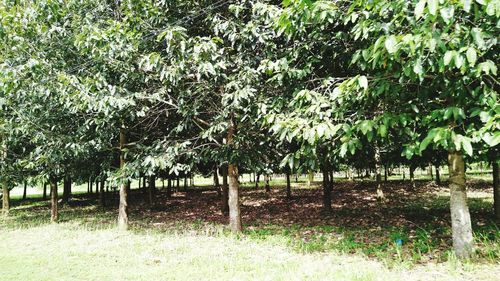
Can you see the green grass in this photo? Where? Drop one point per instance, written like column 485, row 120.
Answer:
column 86, row 246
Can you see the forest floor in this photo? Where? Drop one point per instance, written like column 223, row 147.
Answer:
column 186, row 237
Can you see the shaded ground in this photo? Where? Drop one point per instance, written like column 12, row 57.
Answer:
column 418, row 217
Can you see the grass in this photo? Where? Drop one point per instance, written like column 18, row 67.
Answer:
column 86, row 246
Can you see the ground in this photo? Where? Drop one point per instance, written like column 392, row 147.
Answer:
column 186, row 237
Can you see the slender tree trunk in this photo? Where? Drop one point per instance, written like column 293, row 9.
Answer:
column 144, row 186
column 310, row 178
column 139, row 182
column 25, row 186
column 378, row 171
column 96, row 186
column 438, row 176
column 123, row 205
column 234, row 198
column 178, row 184
column 91, row 182
column 463, row 243
column 496, row 190
column 327, row 192
column 288, row 186
column 151, row 190
column 257, row 181
column 430, row 172
column 268, row 186
column 54, row 214
column 412, row 175
column 216, row 181
column 385, row 173
column 102, row 194
column 169, row 187
column 5, row 198
column 44, row 196
column 225, row 192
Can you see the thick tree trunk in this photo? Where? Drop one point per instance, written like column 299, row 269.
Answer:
column 327, row 192
column 378, row 171
column 66, row 190
column 463, row 243
column 288, row 186
column 123, row 205
column 44, row 196
column 25, row 186
column 225, row 192
column 102, row 194
column 496, row 190
column 54, row 214
column 438, row 176
column 5, row 198
column 267, row 186
column 234, row 200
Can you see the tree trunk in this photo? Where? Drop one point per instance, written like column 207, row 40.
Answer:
column 327, row 192
column 430, row 172
column 44, row 196
column 216, row 181
column 169, row 187
column 288, row 186
column 463, row 243
column 96, row 186
column 91, row 182
column 54, row 214
column 144, row 186
column 225, row 192
column 378, row 171
column 25, row 186
column 496, row 190
column 151, row 190
column 438, row 176
column 66, row 190
column 267, row 186
column 123, row 205
column 385, row 173
column 412, row 175
column 102, row 194
column 257, row 181
column 5, row 198
column 310, row 178
column 234, row 200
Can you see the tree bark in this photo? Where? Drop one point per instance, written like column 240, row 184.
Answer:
column 54, row 214
column 216, row 181
column 327, row 192
column 463, row 243
column 234, row 198
column 151, row 190
column 102, row 194
column 496, row 190
column 123, row 205
column 5, row 198
column 310, row 178
column 225, row 192
column 288, row 186
column 96, row 186
column 257, row 181
column 378, row 171
column 44, row 196
column 169, row 187
column 267, row 186
column 412, row 175
column 66, row 189
column 91, row 183
column 25, row 186
column 438, row 176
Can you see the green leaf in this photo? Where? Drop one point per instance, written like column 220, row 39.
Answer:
column 448, row 56
column 363, row 82
column 433, row 6
column 471, row 55
column 390, row 44
column 466, row 4
column 419, row 8
column 467, row 146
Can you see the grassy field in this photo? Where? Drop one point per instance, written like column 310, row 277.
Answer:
column 186, row 238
